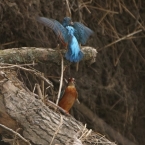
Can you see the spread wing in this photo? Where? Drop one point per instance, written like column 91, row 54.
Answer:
column 58, row 29
column 82, row 33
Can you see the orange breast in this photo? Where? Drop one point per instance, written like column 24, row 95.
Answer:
column 68, row 99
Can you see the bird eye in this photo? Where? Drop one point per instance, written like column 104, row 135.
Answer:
column 73, row 79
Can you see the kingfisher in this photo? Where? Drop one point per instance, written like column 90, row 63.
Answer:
column 71, row 34
column 82, row 33
column 74, row 54
column 70, row 95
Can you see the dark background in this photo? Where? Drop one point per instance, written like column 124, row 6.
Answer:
column 114, row 86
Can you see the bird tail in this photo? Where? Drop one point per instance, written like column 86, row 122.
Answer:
column 79, row 56
column 74, row 58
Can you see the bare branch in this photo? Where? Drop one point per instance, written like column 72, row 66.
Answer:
column 61, row 80
column 123, row 38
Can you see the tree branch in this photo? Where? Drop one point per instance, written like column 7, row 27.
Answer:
column 32, row 54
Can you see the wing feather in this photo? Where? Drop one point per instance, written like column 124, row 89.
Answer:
column 58, row 29
column 82, row 33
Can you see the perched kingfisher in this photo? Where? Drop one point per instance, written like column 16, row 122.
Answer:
column 70, row 34
column 70, row 95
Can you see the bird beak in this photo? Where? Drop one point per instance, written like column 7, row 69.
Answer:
column 71, row 23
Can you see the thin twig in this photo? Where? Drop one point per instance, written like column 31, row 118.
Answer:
column 84, row 5
column 118, row 58
column 88, row 133
column 15, row 140
column 61, row 79
column 34, row 88
column 8, row 43
column 61, row 122
column 32, row 71
column 7, row 65
column 109, row 11
column 133, row 17
column 102, row 18
column 68, row 8
column 39, row 92
column 88, row 2
column 125, row 37
column 79, row 11
column 113, row 29
column 137, row 51
column 17, row 134
column 83, row 131
column 80, row 20
column 115, row 103
column 42, row 85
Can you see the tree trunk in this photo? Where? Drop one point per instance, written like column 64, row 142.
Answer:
column 39, row 123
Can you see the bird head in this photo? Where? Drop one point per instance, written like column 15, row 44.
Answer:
column 66, row 21
column 71, row 81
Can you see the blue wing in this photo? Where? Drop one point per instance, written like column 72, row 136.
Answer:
column 59, row 30
column 82, row 33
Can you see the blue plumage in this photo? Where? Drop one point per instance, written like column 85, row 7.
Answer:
column 71, row 33
column 58, row 28
column 66, row 21
column 74, row 54
column 82, row 33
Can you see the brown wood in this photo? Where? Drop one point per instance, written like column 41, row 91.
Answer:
column 39, row 123
column 20, row 109
column 5, row 119
column 30, row 54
